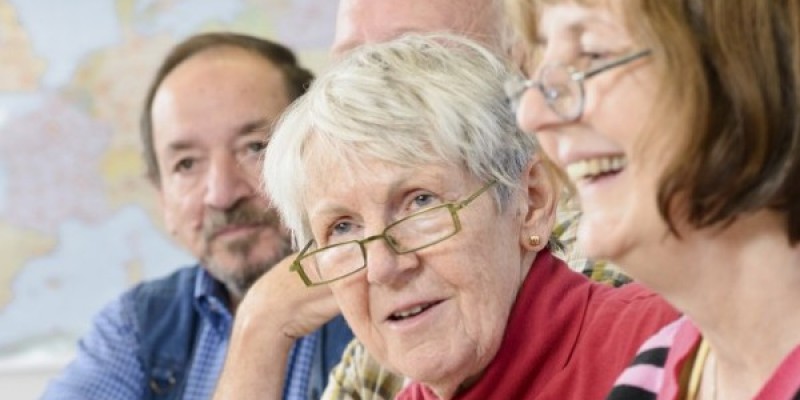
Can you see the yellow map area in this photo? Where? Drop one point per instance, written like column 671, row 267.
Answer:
column 15, row 45
column 16, row 245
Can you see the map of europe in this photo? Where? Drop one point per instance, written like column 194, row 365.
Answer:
column 78, row 221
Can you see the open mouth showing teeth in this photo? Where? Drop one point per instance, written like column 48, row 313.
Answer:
column 411, row 312
column 594, row 168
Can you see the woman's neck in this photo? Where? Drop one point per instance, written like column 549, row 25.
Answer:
column 740, row 286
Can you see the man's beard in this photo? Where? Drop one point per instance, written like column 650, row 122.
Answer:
column 238, row 280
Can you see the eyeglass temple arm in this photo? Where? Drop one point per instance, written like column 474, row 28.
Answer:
column 583, row 75
column 476, row 194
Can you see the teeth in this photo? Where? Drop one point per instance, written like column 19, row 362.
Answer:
column 593, row 167
column 408, row 313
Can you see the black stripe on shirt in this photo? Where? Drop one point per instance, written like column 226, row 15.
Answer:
column 625, row 392
column 656, row 356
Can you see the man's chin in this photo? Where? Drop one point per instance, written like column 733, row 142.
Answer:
column 239, row 273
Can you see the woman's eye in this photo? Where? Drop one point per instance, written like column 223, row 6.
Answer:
column 341, row 228
column 423, row 200
column 594, row 55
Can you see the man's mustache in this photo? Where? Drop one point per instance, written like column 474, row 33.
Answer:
column 240, row 214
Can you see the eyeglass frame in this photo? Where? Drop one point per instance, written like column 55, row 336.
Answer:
column 521, row 86
column 452, row 207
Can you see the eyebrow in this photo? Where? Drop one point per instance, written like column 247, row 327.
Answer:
column 180, row 145
column 260, row 125
column 577, row 26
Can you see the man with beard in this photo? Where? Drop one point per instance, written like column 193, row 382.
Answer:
column 206, row 121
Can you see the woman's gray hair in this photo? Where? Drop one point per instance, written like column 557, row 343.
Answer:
column 416, row 100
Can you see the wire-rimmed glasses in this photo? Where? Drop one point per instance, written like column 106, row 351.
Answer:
column 562, row 86
column 414, row 232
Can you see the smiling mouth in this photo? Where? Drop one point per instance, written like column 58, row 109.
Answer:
column 411, row 312
column 593, row 168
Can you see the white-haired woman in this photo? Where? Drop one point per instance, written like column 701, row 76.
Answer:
column 413, row 195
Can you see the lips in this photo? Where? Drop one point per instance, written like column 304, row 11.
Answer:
column 411, row 311
column 234, row 228
column 595, row 167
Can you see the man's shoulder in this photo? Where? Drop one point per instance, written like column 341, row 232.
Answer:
column 165, row 319
column 180, row 279
column 158, row 304
column 151, row 294
column 336, row 335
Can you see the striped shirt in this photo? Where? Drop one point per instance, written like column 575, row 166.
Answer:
column 665, row 357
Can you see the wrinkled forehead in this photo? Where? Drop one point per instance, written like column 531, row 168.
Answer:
column 324, row 154
column 373, row 21
column 537, row 19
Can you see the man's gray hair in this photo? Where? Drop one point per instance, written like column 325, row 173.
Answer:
column 433, row 99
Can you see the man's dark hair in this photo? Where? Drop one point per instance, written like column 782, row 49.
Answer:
column 296, row 77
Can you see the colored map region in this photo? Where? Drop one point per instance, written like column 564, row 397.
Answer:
column 78, row 221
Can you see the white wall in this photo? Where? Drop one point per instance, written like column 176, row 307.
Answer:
column 26, row 383
column 25, row 375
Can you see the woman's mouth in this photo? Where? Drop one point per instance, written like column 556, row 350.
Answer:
column 594, row 168
column 411, row 312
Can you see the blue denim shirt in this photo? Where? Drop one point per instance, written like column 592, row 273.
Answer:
column 167, row 339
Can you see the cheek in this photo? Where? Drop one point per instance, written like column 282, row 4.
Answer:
column 495, row 277
column 486, row 281
column 549, row 144
column 181, row 211
column 637, row 97
column 352, row 296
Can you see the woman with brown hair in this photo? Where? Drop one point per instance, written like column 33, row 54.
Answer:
column 677, row 122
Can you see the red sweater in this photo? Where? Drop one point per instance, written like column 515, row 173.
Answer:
column 566, row 338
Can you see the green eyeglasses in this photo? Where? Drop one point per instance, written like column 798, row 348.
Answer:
column 412, row 233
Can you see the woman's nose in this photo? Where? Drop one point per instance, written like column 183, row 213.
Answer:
column 385, row 266
column 534, row 114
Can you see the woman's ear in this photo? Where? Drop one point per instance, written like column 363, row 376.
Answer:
column 540, row 198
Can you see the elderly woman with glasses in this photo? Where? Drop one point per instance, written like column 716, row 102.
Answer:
column 684, row 148
column 416, row 199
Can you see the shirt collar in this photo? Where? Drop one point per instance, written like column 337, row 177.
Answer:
column 210, row 300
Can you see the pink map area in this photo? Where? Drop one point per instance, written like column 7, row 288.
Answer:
column 52, row 160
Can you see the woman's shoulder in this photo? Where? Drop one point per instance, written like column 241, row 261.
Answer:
column 633, row 300
column 625, row 318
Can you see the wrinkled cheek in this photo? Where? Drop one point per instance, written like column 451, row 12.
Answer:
column 187, row 235
column 184, row 221
column 352, row 295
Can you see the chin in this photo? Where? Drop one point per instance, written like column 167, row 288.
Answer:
column 443, row 383
column 444, row 372
column 598, row 241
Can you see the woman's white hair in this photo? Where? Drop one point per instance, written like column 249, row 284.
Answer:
column 414, row 101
